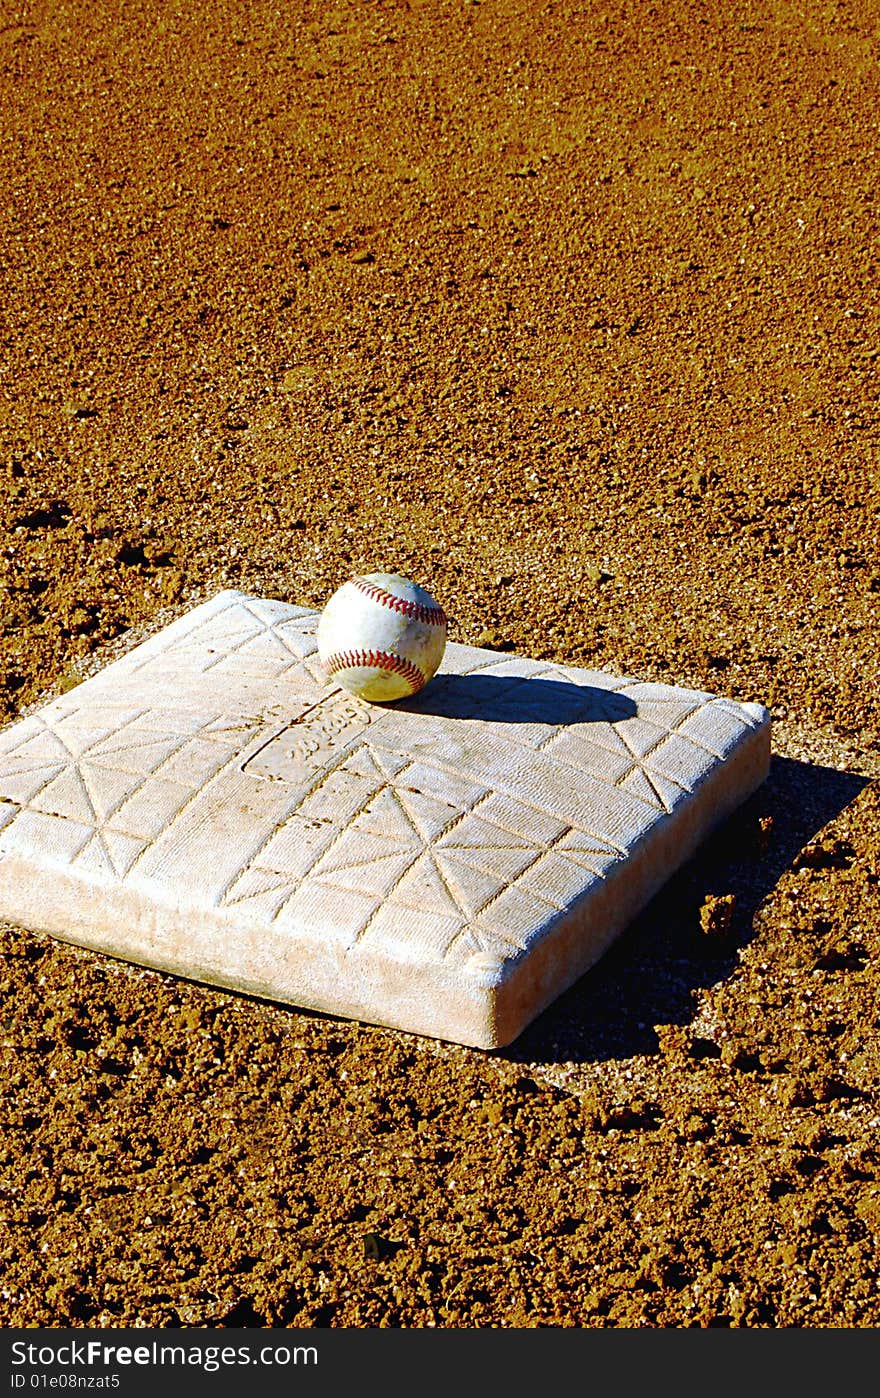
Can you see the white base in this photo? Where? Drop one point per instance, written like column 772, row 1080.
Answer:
column 213, row 806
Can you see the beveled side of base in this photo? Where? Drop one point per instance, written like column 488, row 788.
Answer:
column 213, row 806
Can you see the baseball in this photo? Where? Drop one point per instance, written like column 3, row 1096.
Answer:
column 381, row 637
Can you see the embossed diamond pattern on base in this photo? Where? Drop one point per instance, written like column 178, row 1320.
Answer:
column 213, row 805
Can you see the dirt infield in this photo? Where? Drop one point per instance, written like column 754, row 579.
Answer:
column 570, row 313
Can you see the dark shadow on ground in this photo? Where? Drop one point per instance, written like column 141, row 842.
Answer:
column 648, row 976
column 517, row 699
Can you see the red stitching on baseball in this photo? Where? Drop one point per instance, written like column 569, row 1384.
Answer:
column 433, row 616
column 375, row 659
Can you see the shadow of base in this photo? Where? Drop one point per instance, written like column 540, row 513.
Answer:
column 648, row 977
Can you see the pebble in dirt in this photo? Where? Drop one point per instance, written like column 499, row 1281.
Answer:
column 213, row 805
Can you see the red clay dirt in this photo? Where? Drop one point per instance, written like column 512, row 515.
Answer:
column 570, row 313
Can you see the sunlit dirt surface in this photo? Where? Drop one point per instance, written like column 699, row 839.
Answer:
column 570, row 313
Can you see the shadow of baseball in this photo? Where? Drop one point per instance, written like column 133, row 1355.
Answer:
column 518, row 699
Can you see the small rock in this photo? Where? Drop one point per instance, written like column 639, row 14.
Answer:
column 80, row 620
column 301, row 376
column 868, row 1210
column 741, row 1057
column 69, row 678
column 696, row 480
column 698, row 1126
column 796, row 1093
column 830, row 1088
column 765, row 835
column 829, row 853
column 79, row 409
column 673, row 1040
column 172, row 584
column 597, row 576
column 635, row 1115
column 716, row 914
column 595, row 1111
